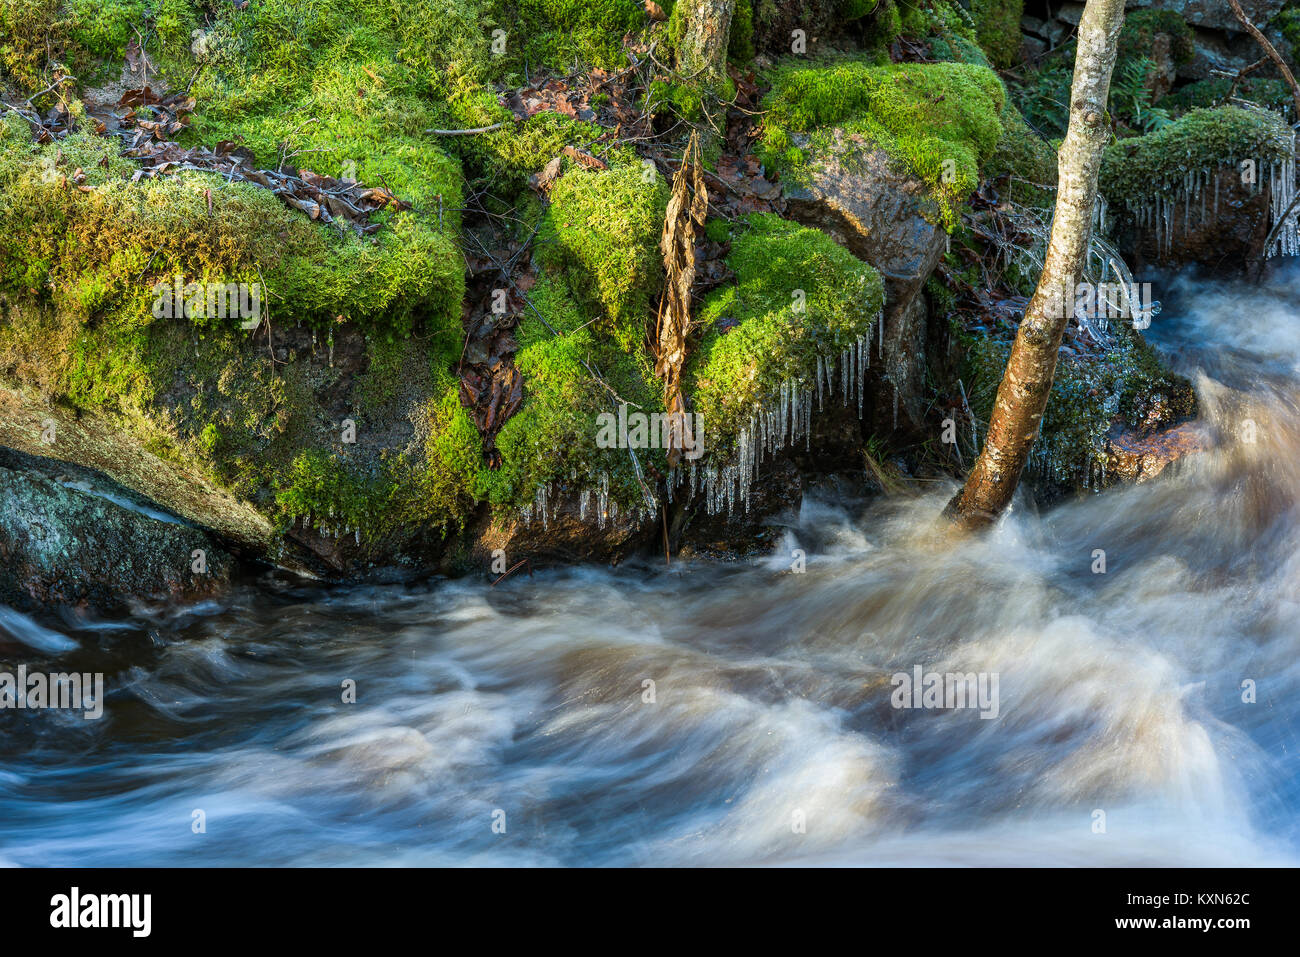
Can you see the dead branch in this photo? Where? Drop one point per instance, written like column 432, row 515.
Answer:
column 1273, row 55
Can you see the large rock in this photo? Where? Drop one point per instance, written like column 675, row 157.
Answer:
column 1214, row 53
column 1213, row 14
column 1201, row 190
column 32, row 424
column 70, row 536
column 1133, row 457
column 863, row 198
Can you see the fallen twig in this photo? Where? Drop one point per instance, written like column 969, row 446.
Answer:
column 477, row 129
column 522, row 561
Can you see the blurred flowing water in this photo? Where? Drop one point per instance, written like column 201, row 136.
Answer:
column 1120, row 692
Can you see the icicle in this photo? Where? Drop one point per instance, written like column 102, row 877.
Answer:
column 862, row 374
column 807, row 423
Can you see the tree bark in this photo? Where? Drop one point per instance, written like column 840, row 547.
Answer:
column 1027, row 382
column 702, row 52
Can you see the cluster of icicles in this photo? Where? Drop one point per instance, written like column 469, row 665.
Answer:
column 1198, row 195
column 781, row 421
column 1091, row 470
column 330, row 531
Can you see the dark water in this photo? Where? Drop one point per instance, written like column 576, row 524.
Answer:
column 1118, row 692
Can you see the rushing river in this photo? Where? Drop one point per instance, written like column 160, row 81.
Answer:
column 514, row 725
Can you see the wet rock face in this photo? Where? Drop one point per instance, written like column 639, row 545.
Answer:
column 1133, row 457
column 1219, row 41
column 863, row 198
column 71, row 536
column 569, row 532
column 774, row 498
column 1213, row 14
column 1221, row 235
column 40, row 429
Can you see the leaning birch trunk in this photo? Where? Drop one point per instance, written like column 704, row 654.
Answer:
column 702, row 52
column 1027, row 382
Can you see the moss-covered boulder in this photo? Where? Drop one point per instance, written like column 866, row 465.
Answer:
column 604, row 225
column 1206, row 188
column 791, row 335
column 1108, row 415
column 939, row 120
column 359, row 329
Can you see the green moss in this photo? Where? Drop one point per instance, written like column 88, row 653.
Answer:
column 197, row 390
column 1089, row 395
column 1287, row 22
column 939, row 119
column 209, row 439
column 1134, row 168
column 740, row 44
column 1137, row 37
column 717, row 230
column 337, row 86
column 606, row 226
column 883, row 22
column 555, row 33
column 88, row 38
column 797, row 296
column 1268, row 93
column 506, row 158
column 997, row 24
column 553, row 436
column 101, row 251
column 683, row 99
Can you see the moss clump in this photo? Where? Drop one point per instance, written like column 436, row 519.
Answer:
column 882, row 23
column 1136, row 167
column 553, row 436
column 88, row 38
column 343, row 87
column 504, row 159
column 1139, row 32
column 797, row 296
column 555, row 33
column 939, row 119
column 99, row 252
column 606, row 225
column 1268, row 93
column 740, row 44
column 997, row 26
column 38, row 35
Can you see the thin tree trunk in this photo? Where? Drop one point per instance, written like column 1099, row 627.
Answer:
column 702, row 52
column 1027, row 382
